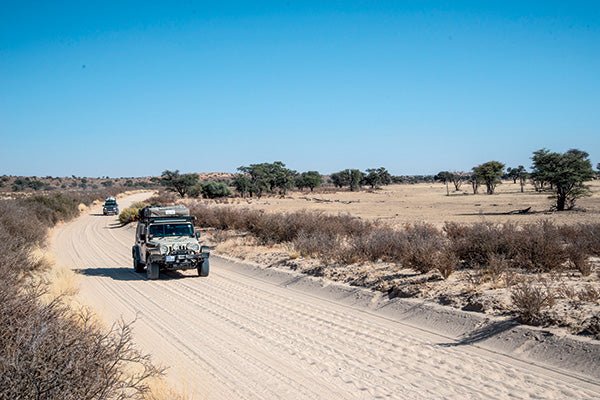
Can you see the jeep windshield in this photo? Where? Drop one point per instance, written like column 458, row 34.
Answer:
column 166, row 230
column 110, row 203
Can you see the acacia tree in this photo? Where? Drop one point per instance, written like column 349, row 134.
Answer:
column 269, row 177
column 352, row 178
column 356, row 179
column 179, row 183
column 309, row 179
column 475, row 182
column 565, row 172
column 489, row 173
column 242, row 183
column 458, row 178
column 340, row 179
column 377, row 176
column 445, row 177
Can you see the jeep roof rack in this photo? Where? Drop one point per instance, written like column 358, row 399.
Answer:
column 153, row 213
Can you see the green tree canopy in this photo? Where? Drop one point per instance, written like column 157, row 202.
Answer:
column 309, row 179
column 178, row 183
column 489, row 173
column 353, row 178
column 242, row 183
column 340, row 179
column 566, row 172
column 376, row 177
column 213, row 190
column 269, row 177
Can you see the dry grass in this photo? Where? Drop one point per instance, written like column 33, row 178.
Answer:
column 401, row 204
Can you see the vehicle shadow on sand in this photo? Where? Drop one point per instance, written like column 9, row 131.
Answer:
column 128, row 274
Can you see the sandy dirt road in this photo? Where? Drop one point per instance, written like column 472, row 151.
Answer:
column 236, row 335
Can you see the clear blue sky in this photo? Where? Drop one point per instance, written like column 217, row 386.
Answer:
column 133, row 88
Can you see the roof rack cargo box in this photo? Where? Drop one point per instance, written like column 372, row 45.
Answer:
column 164, row 212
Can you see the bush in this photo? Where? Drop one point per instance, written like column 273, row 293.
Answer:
column 539, row 248
column 475, row 245
column 48, row 351
column 131, row 214
column 213, row 190
column 52, row 209
column 425, row 248
column 529, row 300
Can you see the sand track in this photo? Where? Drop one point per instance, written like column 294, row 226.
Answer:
column 235, row 335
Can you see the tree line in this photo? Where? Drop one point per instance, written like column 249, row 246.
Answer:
column 562, row 173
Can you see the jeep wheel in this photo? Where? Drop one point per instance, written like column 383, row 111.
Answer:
column 204, row 268
column 137, row 265
column 152, row 271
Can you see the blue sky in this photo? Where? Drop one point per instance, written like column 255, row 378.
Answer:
column 134, row 88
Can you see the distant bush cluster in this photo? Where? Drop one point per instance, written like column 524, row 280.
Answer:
column 48, row 351
column 74, row 183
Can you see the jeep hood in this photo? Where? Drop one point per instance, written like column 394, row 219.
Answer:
column 171, row 240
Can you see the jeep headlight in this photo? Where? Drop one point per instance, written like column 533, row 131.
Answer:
column 193, row 246
column 164, row 249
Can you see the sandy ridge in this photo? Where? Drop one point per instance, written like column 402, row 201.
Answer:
column 246, row 332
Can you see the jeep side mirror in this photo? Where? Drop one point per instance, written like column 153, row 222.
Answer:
column 142, row 236
column 197, row 234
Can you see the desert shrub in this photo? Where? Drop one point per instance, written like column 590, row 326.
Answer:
column 539, row 247
column 446, row 262
column 495, row 248
column 529, row 300
column 272, row 228
column 379, row 243
column 48, row 351
column 589, row 293
column 579, row 258
column 424, row 247
column 24, row 227
column 53, row 208
column 131, row 214
column 475, row 245
column 584, row 236
column 498, row 267
column 318, row 244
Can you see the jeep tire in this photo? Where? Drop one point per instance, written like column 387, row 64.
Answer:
column 204, row 268
column 152, row 271
column 137, row 265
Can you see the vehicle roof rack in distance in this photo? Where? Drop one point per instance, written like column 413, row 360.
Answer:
column 167, row 212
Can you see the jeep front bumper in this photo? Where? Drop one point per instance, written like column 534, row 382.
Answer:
column 179, row 261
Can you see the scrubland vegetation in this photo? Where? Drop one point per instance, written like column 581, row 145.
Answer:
column 48, row 350
column 514, row 256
